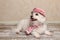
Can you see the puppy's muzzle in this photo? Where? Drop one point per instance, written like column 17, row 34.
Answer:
column 32, row 18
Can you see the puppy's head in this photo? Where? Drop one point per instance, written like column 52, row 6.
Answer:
column 38, row 15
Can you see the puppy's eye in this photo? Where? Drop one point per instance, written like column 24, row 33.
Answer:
column 36, row 14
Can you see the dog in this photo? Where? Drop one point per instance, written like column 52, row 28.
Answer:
column 35, row 25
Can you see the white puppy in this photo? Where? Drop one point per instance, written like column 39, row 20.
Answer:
column 35, row 25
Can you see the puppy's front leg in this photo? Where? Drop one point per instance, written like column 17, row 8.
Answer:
column 35, row 34
column 18, row 29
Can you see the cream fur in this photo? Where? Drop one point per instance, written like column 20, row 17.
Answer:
column 23, row 24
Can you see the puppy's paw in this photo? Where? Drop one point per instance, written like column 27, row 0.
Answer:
column 49, row 33
column 36, row 35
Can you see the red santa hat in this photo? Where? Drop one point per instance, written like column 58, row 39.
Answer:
column 41, row 11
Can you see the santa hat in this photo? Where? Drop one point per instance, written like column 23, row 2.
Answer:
column 41, row 11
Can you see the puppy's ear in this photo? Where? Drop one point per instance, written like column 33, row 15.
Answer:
column 32, row 12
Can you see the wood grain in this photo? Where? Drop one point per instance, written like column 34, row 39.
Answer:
column 8, row 34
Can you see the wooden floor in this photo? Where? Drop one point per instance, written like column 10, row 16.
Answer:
column 6, row 33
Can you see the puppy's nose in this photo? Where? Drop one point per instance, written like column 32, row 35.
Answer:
column 31, row 16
